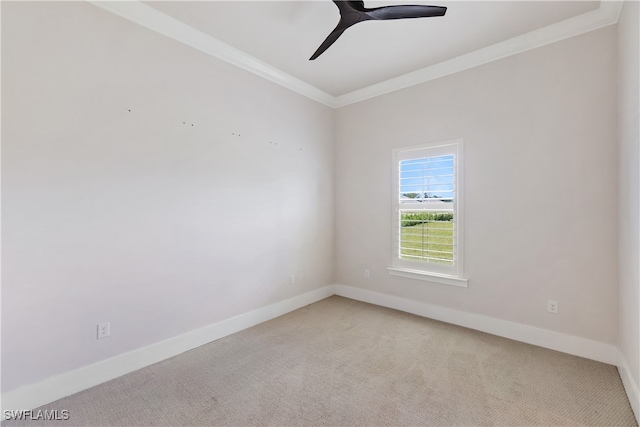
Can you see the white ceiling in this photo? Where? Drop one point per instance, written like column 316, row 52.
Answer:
column 286, row 33
column 274, row 39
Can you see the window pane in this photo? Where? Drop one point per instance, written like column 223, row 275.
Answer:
column 427, row 178
column 427, row 236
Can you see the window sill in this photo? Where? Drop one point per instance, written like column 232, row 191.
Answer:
column 428, row 277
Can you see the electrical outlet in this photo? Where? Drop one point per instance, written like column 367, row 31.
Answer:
column 292, row 279
column 366, row 274
column 552, row 306
column 104, row 330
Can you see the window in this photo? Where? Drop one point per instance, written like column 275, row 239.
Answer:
column 427, row 213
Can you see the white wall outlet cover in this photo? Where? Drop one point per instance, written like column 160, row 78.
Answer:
column 104, row 330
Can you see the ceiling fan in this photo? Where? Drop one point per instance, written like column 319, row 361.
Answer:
column 352, row 12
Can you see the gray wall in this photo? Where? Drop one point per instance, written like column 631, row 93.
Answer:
column 539, row 132
column 133, row 217
column 629, row 193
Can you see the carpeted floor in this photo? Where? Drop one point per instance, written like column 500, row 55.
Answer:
column 343, row 362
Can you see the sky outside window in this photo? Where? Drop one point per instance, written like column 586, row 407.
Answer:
column 427, row 178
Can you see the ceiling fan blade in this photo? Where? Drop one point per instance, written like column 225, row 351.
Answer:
column 352, row 12
column 349, row 6
column 331, row 38
column 406, row 11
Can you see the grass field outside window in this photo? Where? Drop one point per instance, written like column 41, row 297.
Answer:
column 427, row 236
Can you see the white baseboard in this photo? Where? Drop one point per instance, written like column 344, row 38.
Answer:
column 570, row 344
column 59, row 386
column 62, row 385
column 630, row 384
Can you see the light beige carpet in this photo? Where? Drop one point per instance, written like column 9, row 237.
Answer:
column 343, row 362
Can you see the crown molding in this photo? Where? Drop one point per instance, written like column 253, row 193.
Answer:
column 606, row 14
column 160, row 22
column 153, row 19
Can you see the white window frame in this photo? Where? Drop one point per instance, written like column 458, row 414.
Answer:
column 431, row 272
